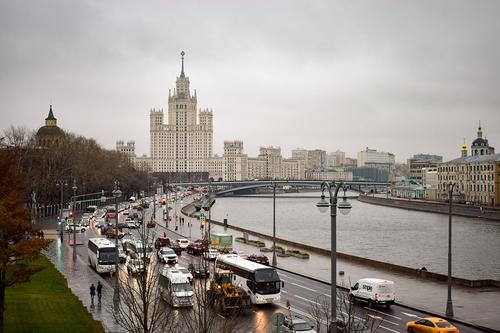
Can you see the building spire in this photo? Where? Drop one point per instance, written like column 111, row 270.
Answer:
column 479, row 131
column 182, row 68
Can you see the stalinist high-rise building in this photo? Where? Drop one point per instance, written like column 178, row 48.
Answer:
column 184, row 144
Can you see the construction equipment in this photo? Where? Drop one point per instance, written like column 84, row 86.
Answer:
column 225, row 296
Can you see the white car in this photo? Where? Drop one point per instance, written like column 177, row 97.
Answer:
column 211, row 254
column 99, row 222
column 296, row 324
column 78, row 227
column 135, row 266
column 183, row 243
column 186, row 272
column 167, row 256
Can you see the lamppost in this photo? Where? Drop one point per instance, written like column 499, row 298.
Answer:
column 117, row 194
column 449, row 302
column 154, row 201
column 209, row 210
column 274, row 262
column 344, row 208
column 61, row 184
column 74, row 223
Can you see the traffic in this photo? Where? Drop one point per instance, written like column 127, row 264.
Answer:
column 231, row 279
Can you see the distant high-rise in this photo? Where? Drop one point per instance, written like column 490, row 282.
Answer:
column 185, row 143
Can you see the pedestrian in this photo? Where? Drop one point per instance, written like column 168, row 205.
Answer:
column 99, row 290
column 92, row 292
column 42, row 235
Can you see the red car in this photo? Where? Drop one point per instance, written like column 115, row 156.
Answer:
column 197, row 247
column 259, row 258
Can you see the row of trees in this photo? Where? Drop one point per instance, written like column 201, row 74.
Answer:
column 71, row 159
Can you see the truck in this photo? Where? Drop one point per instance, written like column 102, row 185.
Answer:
column 225, row 296
column 175, row 288
column 222, row 242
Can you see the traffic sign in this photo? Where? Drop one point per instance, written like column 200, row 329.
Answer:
column 69, row 221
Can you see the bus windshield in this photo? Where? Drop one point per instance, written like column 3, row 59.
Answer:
column 107, row 256
column 268, row 281
column 180, row 287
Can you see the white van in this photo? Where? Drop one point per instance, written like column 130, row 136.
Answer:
column 373, row 291
column 175, row 288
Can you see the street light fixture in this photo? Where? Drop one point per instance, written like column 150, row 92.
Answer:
column 344, row 207
column 274, row 225
column 61, row 184
column 117, row 193
column 449, row 303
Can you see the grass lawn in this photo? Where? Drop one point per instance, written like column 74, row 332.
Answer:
column 45, row 304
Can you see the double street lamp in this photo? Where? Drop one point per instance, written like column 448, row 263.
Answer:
column 449, row 303
column 344, row 208
column 117, row 193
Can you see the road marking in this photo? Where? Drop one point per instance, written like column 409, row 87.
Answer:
column 382, row 319
column 221, row 316
column 388, row 329
column 300, row 286
column 385, row 314
column 303, row 298
column 410, row 314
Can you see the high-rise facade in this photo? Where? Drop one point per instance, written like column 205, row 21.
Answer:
column 184, row 144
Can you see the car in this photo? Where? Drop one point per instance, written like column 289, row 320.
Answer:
column 373, row 291
column 162, row 242
column 296, row 324
column 166, row 255
column 259, row 258
column 211, row 253
column 186, row 272
column 135, row 266
column 99, row 222
column 182, row 242
column 197, row 247
column 112, row 233
column 131, row 225
column 430, row 325
column 177, row 249
column 122, row 255
column 77, row 227
column 125, row 212
column 199, row 270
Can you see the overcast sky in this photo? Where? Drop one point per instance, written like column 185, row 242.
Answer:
column 400, row 76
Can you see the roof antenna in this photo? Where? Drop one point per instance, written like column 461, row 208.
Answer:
column 182, row 68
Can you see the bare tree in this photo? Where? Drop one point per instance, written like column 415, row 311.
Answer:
column 141, row 308
column 350, row 318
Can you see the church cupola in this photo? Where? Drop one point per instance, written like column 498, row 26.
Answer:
column 50, row 120
column 480, row 146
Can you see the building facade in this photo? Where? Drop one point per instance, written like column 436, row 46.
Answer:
column 477, row 177
column 329, row 174
column 335, row 159
column 420, row 161
column 184, row 144
column 232, row 165
column 372, row 158
column 430, row 183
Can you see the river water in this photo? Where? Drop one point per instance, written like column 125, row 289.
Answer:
column 399, row 236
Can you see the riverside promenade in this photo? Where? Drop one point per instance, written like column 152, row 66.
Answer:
column 478, row 306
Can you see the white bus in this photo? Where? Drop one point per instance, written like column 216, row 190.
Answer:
column 102, row 255
column 261, row 282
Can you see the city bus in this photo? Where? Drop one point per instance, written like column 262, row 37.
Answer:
column 102, row 255
column 261, row 282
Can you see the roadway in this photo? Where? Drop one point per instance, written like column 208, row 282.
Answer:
column 302, row 293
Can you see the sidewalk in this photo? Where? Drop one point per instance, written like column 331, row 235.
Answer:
column 479, row 306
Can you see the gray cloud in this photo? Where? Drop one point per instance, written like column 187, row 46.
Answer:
column 405, row 77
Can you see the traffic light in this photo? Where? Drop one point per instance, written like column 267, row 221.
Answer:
column 71, row 214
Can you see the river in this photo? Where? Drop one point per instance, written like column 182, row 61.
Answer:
column 403, row 237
